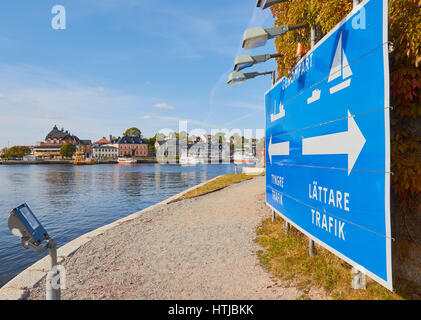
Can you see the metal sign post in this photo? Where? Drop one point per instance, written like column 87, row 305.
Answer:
column 358, row 279
column 53, row 289
column 24, row 224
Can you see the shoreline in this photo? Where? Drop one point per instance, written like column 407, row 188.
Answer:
column 19, row 286
column 61, row 162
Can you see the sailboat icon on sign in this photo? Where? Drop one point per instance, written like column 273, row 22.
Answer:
column 279, row 115
column 340, row 67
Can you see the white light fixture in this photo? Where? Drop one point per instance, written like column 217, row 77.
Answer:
column 257, row 37
column 246, row 61
column 240, row 77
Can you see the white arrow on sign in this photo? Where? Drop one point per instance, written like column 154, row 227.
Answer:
column 278, row 149
column 350, row 142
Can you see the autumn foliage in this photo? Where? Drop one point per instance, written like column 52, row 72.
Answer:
column 405, row 76
column 405, row 90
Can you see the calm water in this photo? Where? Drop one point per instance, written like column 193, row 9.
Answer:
column 72, row 200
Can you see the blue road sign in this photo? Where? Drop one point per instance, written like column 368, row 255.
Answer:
column 328, row 143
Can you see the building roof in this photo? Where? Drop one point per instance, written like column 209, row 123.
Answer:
column 161, row 142
column 85, row 142
column 55, row 133
column 102, row 141
column 130, row 140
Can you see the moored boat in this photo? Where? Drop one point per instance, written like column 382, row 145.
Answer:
column 127, row 161
column 244, row 158
column 81, row 160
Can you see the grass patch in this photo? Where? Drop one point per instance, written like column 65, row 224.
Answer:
column 216, row 184
column 285, row 255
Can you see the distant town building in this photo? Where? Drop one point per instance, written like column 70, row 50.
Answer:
column 193, row 139
column 129, row 146
column 158, row 144
column 104, row 152
column 85, row 146
column 208, row 138
column 210, row 151
column 49, row 149
column 167, row 151
column 206, row 150
column 55, row 139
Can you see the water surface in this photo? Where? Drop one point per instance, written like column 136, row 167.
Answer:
column 72, row 200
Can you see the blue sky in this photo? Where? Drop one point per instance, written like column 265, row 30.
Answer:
column 124, row 63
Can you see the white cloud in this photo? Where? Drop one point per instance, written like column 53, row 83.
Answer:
column 41, row 97
column 145, row 117
column 184, row 30
column 163, row 106
column 189, row 121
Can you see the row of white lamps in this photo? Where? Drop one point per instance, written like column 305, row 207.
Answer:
column 257, row 37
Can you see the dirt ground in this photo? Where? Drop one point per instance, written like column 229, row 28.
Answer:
column 200, row 248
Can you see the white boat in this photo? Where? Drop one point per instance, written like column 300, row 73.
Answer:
column 245, row 157
column 126, row 161
column 189, row 160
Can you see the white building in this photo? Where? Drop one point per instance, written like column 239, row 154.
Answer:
column 173, row 150
column 104, row 152
column 167, row 151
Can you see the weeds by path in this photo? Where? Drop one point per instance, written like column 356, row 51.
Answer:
column 286, row 256
column 216, row 184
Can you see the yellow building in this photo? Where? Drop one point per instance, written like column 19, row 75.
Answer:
column 50, row 148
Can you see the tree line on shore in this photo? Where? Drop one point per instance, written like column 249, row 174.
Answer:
column 15, row 152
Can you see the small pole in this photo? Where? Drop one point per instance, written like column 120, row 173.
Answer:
column 273, row 78
column 286, row 226
column 52, row 293
column 310, row 247
column 356, row 3
column 313, row 36
column 273, row 215
column 358, row 280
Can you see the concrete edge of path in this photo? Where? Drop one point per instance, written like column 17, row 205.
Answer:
column 19, row 287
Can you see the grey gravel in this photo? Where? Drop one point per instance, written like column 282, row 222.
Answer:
column 200, row 248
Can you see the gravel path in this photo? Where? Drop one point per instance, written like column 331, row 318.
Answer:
column 199, row 248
